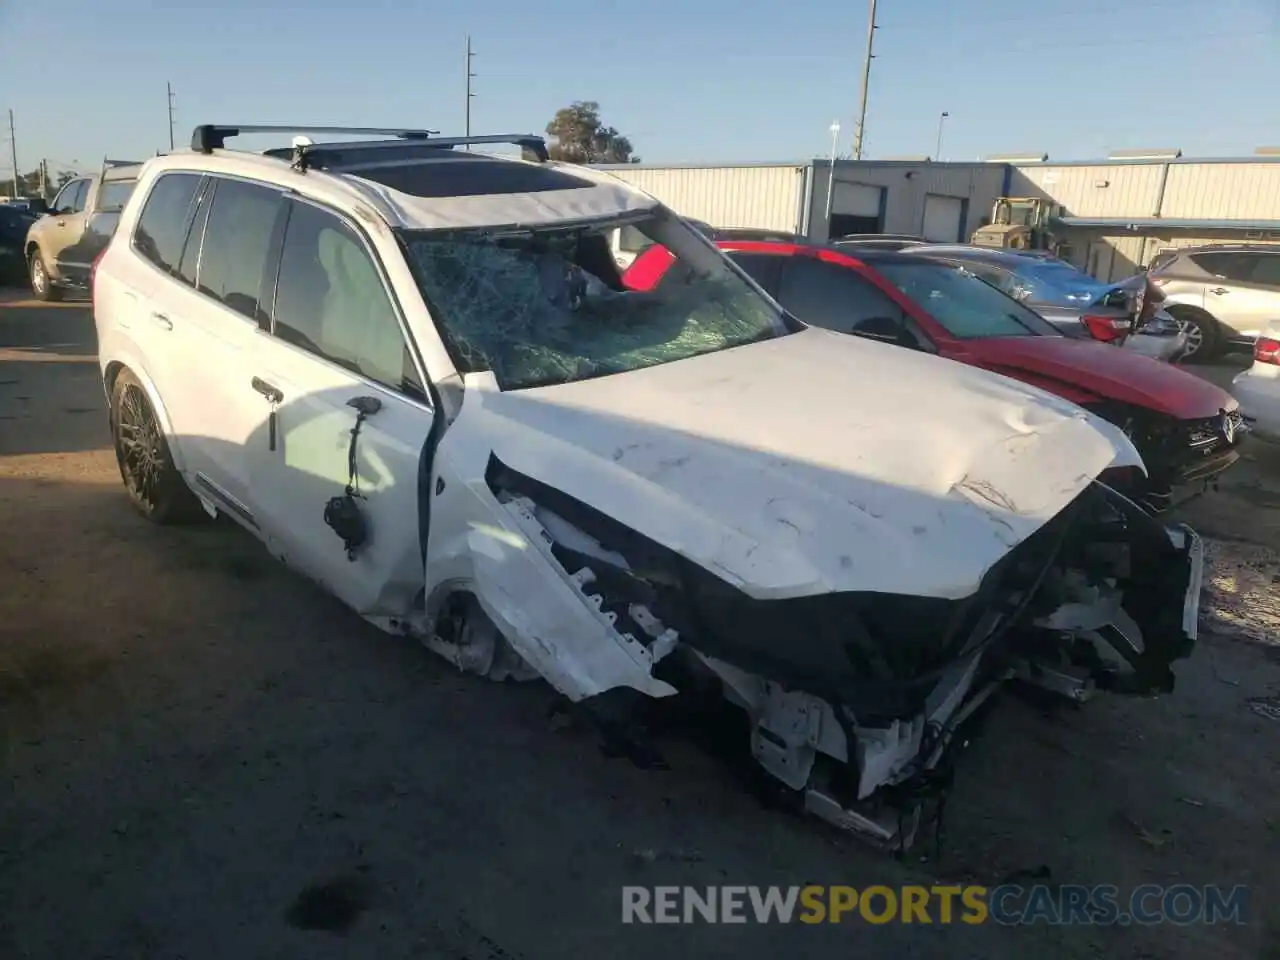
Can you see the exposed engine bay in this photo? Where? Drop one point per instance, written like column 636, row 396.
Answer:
column 854, row 698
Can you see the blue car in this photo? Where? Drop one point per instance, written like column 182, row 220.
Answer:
column 1074, row 302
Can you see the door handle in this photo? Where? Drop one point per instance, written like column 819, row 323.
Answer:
column 62, row 223
column 273, row 394
column 268, row 390
column 162, row 321
column 1219, row 290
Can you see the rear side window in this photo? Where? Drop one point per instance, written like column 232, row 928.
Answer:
column 1229, row 266
column 162, row 228
column 237, row 238
column 836, row 298
column 765, row 269
column 113, row 195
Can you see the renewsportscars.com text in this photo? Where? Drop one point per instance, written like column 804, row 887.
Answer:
column 1009, row 905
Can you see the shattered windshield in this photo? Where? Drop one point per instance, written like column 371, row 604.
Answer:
column 548, row 305
column 968, row 307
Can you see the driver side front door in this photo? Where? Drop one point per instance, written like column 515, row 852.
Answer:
column 321, row 473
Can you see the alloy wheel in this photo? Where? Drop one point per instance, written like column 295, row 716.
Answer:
column 1195, row 338
column 39, row 279
column 139, row 445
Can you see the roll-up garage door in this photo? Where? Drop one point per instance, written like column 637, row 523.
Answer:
column 855, row 208
column 943, row 218
column 856, row 200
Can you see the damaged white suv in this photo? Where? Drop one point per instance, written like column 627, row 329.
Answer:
column 415, row 373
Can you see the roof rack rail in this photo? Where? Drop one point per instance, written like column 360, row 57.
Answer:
column 208, row 137
column 109, row 164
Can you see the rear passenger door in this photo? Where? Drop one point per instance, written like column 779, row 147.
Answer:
column 1249, row 296
column 337, row 337
column 208, row 308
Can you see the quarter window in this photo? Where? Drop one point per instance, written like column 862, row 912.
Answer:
column 1265, row 270
column 330, row 301
column 162, row 228
column 237, row 238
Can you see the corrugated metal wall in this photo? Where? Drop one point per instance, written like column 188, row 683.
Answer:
column 908, row 184
column 1223, row 191
column 1131, row 190
column 1207, row 190
column 765, row 196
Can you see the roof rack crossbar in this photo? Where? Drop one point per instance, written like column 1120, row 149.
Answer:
column 213, row 136
column 209, row 137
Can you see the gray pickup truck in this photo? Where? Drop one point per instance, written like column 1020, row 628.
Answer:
column 61, row 245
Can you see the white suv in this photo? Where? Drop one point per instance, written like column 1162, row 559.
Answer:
column 415, row 373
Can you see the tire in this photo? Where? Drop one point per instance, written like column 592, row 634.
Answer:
column 1199, row 326
column 41, row 284
column 155, row 487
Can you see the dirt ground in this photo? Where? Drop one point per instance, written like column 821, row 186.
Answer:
column 205, row 757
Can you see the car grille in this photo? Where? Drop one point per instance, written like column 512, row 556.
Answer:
column 1212, row 433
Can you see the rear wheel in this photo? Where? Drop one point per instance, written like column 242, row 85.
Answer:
column 41, row 284
column 154, row 485
column 1201, row 330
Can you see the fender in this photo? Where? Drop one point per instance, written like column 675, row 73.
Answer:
column 117, row 349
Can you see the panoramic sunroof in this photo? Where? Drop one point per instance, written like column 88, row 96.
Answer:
column 469, row 176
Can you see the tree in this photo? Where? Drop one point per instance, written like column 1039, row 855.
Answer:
column 29, row 183
column 581, row 137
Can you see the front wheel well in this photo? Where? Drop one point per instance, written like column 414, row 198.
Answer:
column 110, row 373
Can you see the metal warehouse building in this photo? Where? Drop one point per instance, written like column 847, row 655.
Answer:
column 1118, row 214
column 941, row 201
column 1115, row 215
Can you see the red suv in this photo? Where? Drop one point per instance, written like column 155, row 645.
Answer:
column 1186, row 429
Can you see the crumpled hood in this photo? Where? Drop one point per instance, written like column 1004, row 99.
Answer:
column 813, row 463
column 1110, row 372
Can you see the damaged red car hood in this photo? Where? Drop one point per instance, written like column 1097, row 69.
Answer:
column 816, row 462
column 1077, row 368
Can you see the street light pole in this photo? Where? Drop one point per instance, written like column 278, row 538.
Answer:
column 831, row 171
column 937, row 154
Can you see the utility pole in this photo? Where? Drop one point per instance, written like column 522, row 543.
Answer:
column 470, row 76
column 13, row 152
column 937, row 153
column 44, row 178
column 866, row 81
column 169, row 89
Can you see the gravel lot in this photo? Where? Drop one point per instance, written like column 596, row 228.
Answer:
column 205, row 757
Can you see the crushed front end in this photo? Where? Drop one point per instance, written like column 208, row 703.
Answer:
column 1183, row 457
column 854, row 698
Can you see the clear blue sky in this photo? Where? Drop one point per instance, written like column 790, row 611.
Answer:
column 687, row 80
